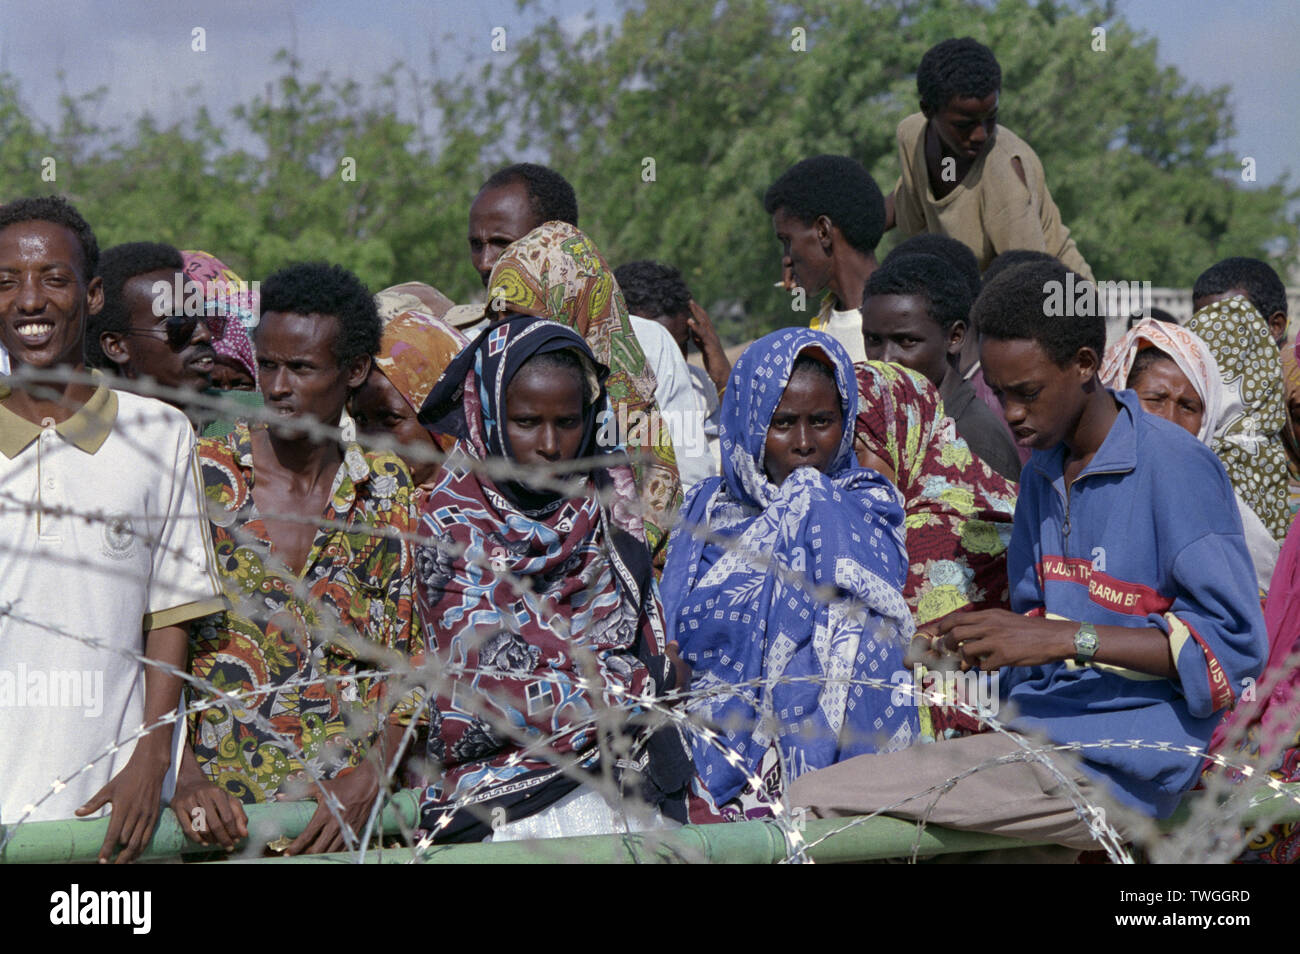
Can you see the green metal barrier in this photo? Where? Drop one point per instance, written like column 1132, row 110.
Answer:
column 753, row 842
column 80, row 840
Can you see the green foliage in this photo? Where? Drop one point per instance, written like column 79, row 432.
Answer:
column 22, row 144
column 717, row 96
column 271, row 182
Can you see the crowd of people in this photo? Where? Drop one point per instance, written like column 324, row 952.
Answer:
column 534, row 559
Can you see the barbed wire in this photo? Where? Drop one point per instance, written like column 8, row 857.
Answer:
column 621, row 723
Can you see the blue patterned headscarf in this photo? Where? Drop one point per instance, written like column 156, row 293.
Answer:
column 746, row 610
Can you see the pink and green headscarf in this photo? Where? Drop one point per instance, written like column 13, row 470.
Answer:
column 232, row 337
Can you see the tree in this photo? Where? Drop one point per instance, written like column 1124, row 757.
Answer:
column 321, row 172
column 671, row 123
column 724, row 96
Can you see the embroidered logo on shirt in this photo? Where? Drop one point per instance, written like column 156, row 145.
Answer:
column 119, row 536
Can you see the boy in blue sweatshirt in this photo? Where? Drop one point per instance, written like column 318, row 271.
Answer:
column 1135, row 616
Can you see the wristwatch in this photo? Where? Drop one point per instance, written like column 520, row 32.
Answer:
column 1085, row 643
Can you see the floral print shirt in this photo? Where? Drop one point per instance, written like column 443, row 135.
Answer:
column 302, row 652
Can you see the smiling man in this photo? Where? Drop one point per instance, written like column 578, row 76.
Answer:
column 106, row 556
column 308, row 537
column 828, row 214
column 135, row 337
column 965, row 176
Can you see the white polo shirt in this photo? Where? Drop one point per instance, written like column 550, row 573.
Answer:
column 103, row 535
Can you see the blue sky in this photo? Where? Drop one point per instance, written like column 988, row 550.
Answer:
column 141, row 51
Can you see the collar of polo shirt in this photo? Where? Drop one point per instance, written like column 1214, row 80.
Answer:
column 87, row 429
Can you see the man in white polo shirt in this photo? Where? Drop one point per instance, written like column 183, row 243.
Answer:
column 104, row 551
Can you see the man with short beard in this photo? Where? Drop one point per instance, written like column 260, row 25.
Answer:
column 514, row 201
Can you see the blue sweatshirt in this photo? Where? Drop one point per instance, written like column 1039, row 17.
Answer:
column 1148, row 536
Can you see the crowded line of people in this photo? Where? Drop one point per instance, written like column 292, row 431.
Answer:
column 526, row 557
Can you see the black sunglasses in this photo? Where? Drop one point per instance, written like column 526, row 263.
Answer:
column 180, row 329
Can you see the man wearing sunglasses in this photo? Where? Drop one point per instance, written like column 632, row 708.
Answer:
column 135, row 337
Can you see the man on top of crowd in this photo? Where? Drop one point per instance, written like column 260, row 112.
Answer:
column 964, row 175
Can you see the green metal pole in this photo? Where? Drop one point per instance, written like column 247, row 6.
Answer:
column 830, row 840
column 79, row 840
column 1265, row 805
column 753, row 842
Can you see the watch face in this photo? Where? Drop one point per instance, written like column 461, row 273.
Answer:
column 1085, row 642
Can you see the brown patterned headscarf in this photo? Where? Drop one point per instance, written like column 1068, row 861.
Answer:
column 412, row 296
column 414, row 351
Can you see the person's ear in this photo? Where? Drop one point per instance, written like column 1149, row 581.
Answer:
column 358, row 369
column 825, row 232
column 95, row 296
column 114, row 346
column 1277, row 326
column 957, row 337
column 1088, row 362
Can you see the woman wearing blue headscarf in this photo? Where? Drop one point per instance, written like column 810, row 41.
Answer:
column 783, row 584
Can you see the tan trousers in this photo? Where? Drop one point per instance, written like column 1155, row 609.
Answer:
column 1020, row 799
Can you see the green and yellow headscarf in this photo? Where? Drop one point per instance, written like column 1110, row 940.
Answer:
column 556, row 272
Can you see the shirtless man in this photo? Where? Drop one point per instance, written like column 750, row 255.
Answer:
column 305, row 529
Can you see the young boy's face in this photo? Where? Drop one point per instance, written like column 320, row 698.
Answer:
column 966, row 124
column 1041, row 400
column 899, row 328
